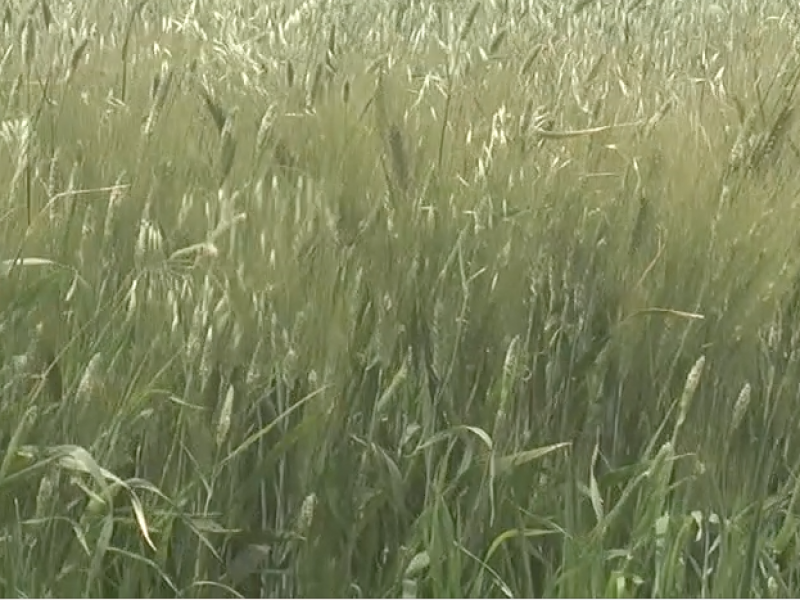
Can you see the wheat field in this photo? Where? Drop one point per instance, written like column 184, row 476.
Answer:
column 408, row 298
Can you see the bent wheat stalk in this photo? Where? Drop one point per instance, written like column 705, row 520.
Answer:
column 560, row 135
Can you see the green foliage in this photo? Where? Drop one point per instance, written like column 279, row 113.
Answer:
column 398, row 299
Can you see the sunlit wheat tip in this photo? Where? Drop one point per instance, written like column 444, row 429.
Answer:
column 306, row 516
column 265, row 127
column 52, row 175
column 331, row 53
column 90, row 380
column 773, row 336
column 510, row 362
column 133, row 297
column 740, row 407
column 28, row 43
column 224, row 422
column 149, row 240
column 692, row 381
column 207, row 354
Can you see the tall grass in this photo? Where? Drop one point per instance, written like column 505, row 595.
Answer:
column 398, row 299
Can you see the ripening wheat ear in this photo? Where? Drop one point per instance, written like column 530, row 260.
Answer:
column 753, row 151
column 740, row 408
column 224, row 419
column 689, row 389
column 91, row 385
column 75, row 59
column 772, row 140
column 163, row 84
